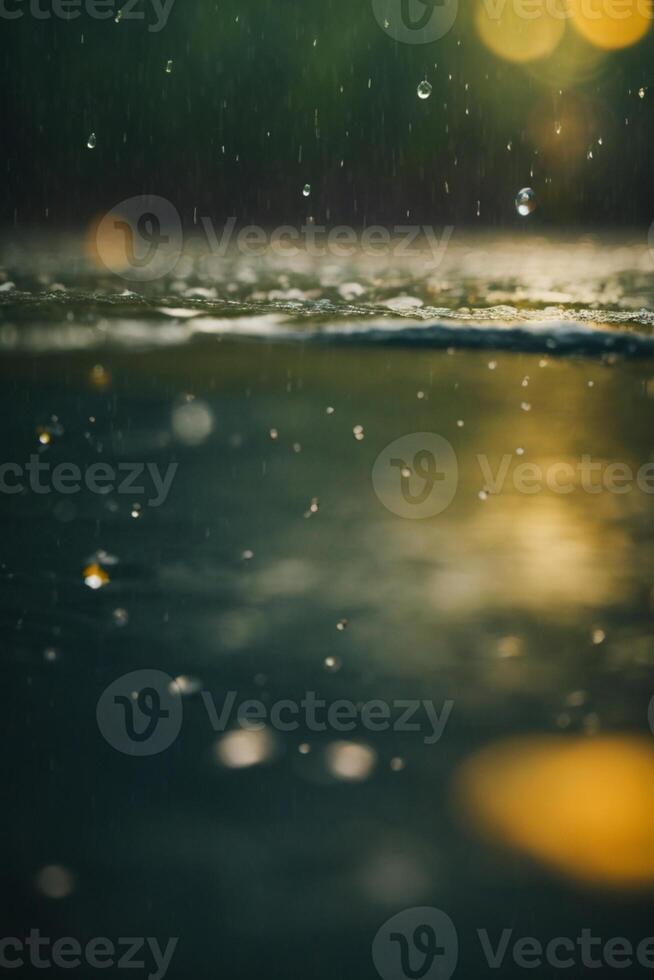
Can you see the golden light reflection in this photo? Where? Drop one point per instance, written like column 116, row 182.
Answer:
column 612, row 24
column 511, row 35
column 582, row 806
column 529, row 553
column 106, row 245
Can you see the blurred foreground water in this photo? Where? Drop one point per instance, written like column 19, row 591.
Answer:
column 278, row 565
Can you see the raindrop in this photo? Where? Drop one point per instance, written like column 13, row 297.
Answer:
column 169, row 66
column 313, row 507
column 424, row 90
column 341, row 625
column 118, row 17
column 525, row 201
column 99, row 376
column 332, row 664
column 95, row 576
column 46, row 433
column 306, row 190
column 120, row 617
column 192, row 421
column 185, row 685
column 92, row 141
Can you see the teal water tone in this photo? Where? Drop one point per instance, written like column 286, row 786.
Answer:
column 277, row 566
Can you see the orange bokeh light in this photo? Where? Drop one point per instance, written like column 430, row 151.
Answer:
column 612, row 24
column 582, row 806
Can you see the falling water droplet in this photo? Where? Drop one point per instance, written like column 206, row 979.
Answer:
column 92, row 141
column 169, row 66
column 313, row 507
column 424, row 90
column 306, row 190
column 525, row 201
column 119, row 16
column 120, row 617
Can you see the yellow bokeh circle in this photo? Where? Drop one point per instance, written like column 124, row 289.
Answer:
column 612, row 24
column 520, row 30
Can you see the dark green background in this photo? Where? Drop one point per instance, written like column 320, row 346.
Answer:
column 247, row 78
